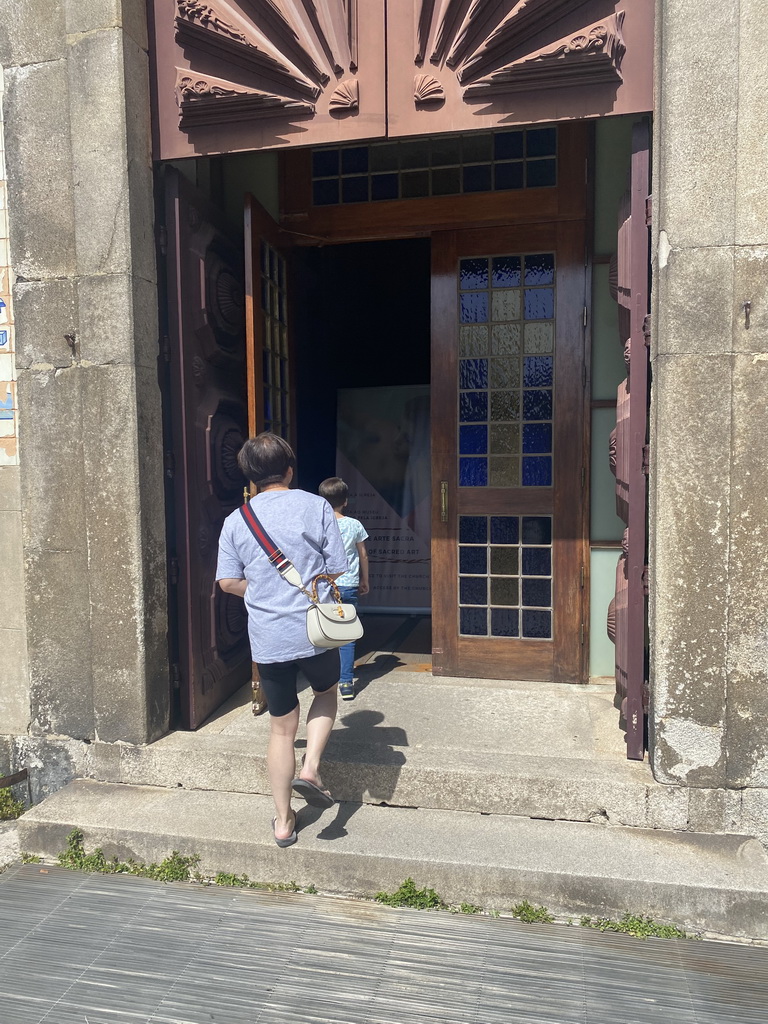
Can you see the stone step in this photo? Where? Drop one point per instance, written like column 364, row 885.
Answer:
column 702, row 882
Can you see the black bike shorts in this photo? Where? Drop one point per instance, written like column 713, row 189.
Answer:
column 278, row 679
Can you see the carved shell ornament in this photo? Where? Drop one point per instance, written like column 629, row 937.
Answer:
column 345, row 97
column 427, row 91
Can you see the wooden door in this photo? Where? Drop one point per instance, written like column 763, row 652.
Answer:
column 628, row 615
column 508, row 387
column 206, row 376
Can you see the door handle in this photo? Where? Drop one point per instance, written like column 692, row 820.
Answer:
column 443, row 501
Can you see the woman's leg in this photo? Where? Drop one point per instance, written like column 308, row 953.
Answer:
column 281, row 766
column 322, row 671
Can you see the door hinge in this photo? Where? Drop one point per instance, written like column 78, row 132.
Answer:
column 584, row 317
column 162, row 239
column 169, row 463
column 581, row 634
column 646, row 459
column 175, row 676
column 173, row 571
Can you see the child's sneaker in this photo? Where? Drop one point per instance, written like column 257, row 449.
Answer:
column 347, row 690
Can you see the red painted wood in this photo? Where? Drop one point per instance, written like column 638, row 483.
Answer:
column 209, row 422
column 629, row 609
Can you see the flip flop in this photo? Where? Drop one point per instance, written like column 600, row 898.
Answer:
column 289, row 840
column 314, row 796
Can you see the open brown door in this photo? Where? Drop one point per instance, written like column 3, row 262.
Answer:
column 206, row 375
column 508, row 450
column 271, row 389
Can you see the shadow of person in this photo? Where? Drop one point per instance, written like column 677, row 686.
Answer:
column 381, row 665
column 362, row 759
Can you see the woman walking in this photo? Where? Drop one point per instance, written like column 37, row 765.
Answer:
column 304, row 527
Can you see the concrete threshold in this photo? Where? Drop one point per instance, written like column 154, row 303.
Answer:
column 701, row 882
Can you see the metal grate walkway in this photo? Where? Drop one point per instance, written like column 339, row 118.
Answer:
column 95, row 949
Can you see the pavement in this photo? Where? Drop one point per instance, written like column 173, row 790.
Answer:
column 94, row 949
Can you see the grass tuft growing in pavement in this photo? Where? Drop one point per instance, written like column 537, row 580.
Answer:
column 409, row 896
column 176, row 868
column 527, row 912
column 635, row 924
column 10, row 807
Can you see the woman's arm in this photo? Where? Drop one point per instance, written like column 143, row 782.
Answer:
column 363, row 553
column 236, row 587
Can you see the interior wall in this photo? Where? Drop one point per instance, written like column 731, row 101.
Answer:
column 613, row 149
column 361, row 318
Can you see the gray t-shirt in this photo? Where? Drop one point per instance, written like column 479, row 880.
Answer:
column 304, row 527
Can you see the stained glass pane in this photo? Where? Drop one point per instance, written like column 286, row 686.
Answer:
column 473, row 590
column 505, row 622
column 325, row 192
column 504, row 471
column 538, row 372
column 508, row 145
column 541, row 141
column 505, row 339
column 473, row 621
column 506, row 272
column 446, row 151
column 354, row 190
column 540, row 269
column 537, row 593
column 473, row 561
column 537, row 625
column 446, row 181
column 505, row 438
column 473, row 274
column 473, row 340
column 325, row 163
column 354, row 160
column 508, row 176
column 541, row 173
column 414, row 184
column 473, row 406
column 538, row 337
column 505, row 373
column 504, row 529
column 384, row 157
column 506, row 304
column 537, row 437
column 473, row 440
column 537, row 471
column 474, row 307
column 536, row 530
column 539, row 303
column 478, row 178
column 505, row 405
column 537, row 561
column 504, row 561
column 473, row 529
column 537, row 405
column 476, row 147
column 473, row 472
column 384, row 186
column 473, row 374
column 505, row 591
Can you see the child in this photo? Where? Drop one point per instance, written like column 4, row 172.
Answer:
column 355, row 580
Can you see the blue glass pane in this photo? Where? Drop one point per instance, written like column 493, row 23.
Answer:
column 537, row 562
column 477, row 179
column 541, row 173
column 325, row 163
column 537, row 405
column 537, row 372
column 354, row 190
column 384, row 186
column 505, row 622
column 473, row 621
column 541, row 141
column 473, row 472
column 506, row 271
column 473, row 406
column 504, row 529
column 473, row 591
column 354, row 160
column 539, row 303
column 473, row 529
column 508, row 145
column 473, row 560
column 537, row 471
column 325, row 193
column 508, row 176
column 473, row 373
column 473, row 274
column 474, row 307
column 540, row 269
column 537, row 437
column 537, row 530
column 473, row 440
column 537, row 625
column 537, row 593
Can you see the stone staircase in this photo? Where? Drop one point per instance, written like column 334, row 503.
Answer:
column 490, row 792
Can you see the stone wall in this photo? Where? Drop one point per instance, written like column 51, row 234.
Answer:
column 80, row 188
column 709, row 472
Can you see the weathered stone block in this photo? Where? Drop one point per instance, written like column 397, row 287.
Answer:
column 750, row 284
column 12, row 564
column 754, row 814
column 46, row 311
column 667, row 807
column 87, row 15
column 695, row 291
column 714, row 810
column 14, row 679
column 10, row 489
column 39, row 168
column 138, row 134
column 697, row 123
column 31, row 32
column 751, row 185
column 118, row 316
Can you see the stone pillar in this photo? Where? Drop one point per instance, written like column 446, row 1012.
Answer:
column 90, row 433
column 709, row 467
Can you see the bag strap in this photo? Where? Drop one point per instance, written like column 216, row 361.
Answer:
column 281, row 562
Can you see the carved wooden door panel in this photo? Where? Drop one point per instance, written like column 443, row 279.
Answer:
column 206, row 354
column 507, row 452
column 627, row 618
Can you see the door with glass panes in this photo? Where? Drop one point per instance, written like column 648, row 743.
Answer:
column 508, row 450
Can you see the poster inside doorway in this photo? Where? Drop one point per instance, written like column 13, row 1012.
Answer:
column 383, row 455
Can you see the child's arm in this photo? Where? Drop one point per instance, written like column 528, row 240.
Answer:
column 362, row 552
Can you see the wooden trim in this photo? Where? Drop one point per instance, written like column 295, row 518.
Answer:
column 253, row 337
column 531, row 660
column 602, row 403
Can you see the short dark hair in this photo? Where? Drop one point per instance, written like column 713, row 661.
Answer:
column 334, row 490
column 266, row 459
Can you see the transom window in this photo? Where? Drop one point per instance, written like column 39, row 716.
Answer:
column 443, row 165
